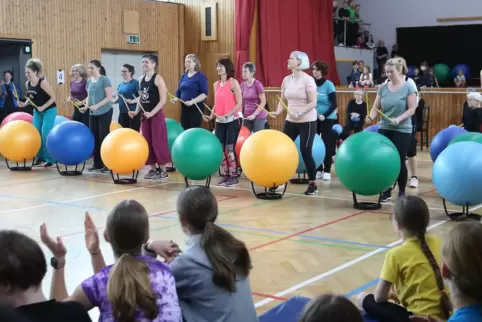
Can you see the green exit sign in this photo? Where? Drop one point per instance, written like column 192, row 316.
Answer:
column 134, row 39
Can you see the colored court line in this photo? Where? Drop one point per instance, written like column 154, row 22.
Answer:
column 362, row 288
column 306, row 230
column 270, row 296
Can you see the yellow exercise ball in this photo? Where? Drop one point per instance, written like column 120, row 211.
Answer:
column 114, row 126
column 124, row 150
column 269, row 158
column 19, row 141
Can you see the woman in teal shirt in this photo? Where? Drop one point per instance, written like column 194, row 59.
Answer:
column 326, row 109
column 397, row 99
column 127, row 92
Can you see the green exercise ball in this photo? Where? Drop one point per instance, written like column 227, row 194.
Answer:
column 174, row 129
column 197, row 154
column 442, row 72
column 469, row 136
column 367, row 163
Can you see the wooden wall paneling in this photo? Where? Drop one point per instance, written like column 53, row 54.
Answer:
column 66, row 32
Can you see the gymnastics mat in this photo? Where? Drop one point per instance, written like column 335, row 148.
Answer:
column 288, row 311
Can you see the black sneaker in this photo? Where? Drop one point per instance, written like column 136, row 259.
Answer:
column 151, row 174
column 312, row 189
column 387, row 195
column 161, row 175
column 48, row 165
column 104, row 170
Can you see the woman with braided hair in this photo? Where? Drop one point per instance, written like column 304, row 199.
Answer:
column 412, row 268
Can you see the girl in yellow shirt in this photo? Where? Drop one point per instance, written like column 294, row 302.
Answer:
column 412, row 268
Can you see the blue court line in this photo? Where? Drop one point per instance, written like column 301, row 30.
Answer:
column 362, row 288
column 60, row 203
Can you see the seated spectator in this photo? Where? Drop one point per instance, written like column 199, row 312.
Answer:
column 9, row 315
column 354, row 77
column 412, row 268
column 472, row 113
column 429, row 79
column 330, row 308
column 366, row 77
column 459, row 80
column 462, row 272
column 212, row 272
column 22, row 270
column 136, row 287
column 417, row 78
column 356, row 111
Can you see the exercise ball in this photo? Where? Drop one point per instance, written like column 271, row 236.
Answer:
column 124, row 150
column 244, row 133
column 114, row 126
column 442, row 72
column 337, row 128
column 371, row 128
column 457, row 176
column 174, row 129
column 60, row 119
column 269, row 158
column 442, row 139
column 469, row 136
column 367, row 163
column 355, row 119
column 319, row 151
column 464, row 68
column 18, row 116
column 411, row 71
column 197, row 153
column 19, row 141
column 70, row 143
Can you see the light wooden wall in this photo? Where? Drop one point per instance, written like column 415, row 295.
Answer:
column 445, row 106
column 66, row 32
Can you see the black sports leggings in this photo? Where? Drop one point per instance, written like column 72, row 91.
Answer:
column 307, row 132
column 402, row 142
column 325, row 128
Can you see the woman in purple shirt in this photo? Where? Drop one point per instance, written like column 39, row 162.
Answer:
column 136, row 288
column 253, row 95
column 78, row 92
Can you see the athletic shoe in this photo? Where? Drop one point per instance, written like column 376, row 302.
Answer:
column 161, row 175
column 151, row 174
column 311, row 190
column 326, row 176
column 48, row 165
column 319, row 174
column 387, row 195
column 232, row 182
column 414, row 182
column 223, row 181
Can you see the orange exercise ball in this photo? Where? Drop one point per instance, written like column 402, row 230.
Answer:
column 19, row 141
column 114, row 126
column 124, row 151
column 269, row 158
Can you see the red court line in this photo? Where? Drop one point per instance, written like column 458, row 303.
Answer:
column 150, row 216
column 270, row 296
column 307, row 230
column 427, row 192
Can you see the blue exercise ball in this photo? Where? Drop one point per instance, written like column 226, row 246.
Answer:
column 337, row 128
column 70, row 143
column 355, row 119
column 464, row 68
column 456, row 174
column 372, row 128
column 442, row 139
column 60, row 119
column 411, row 71
column 319, row 152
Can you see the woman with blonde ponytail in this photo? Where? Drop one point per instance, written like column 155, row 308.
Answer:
column 212, row 273
column 136, row 288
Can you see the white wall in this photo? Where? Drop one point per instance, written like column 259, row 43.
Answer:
column 386, row 15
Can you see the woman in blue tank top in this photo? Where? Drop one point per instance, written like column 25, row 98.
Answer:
column 40, row 95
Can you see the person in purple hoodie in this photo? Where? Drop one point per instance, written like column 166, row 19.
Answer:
column 253, row 96
column 78, row 92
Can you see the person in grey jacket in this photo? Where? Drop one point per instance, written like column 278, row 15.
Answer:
column 212, row 272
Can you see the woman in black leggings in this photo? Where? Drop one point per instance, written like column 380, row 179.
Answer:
column 397, row 99
column 298, row 93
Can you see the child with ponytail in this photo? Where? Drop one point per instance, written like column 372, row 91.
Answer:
column 136, row 288
column 412, row 268
column 212, row 272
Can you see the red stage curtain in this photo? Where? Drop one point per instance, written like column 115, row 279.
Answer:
column 286, row 26
column 244, row 17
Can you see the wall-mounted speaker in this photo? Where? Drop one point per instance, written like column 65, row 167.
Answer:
column 209, row 25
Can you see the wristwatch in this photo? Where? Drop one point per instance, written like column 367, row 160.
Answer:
column 56, row 263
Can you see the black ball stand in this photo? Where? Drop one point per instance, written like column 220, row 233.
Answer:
column 460, row 216
column 20, row 167
column 269, row 193
column 70, row 173
column 132, row 180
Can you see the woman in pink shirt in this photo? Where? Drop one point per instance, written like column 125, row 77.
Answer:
column 227, row 106
column 298, row 93
column 253, row 95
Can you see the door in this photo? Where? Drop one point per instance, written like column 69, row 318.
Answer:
column 112, row 62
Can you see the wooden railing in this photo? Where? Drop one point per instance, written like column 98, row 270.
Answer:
column 445, row 106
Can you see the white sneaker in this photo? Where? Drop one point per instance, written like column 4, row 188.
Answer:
column 413, row 182
column 280, row 188
column 326, row 177
column 319, row 174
